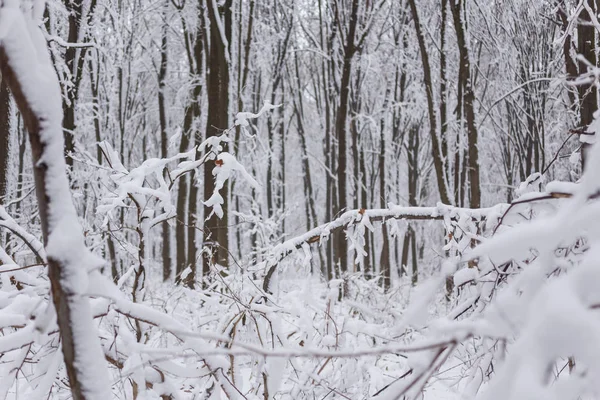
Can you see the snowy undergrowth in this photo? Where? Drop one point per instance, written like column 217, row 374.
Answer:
column 304, row 340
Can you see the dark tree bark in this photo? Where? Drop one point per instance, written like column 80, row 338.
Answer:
column 438, row 160
column 164, row 137
column 311, row 211
column 4, row 136
column 243, row 69
column 75, row 60
column 216, row 232
column 188, row 190
column 326, row 67
column 570, row 65
column 443, row 91
column 409, row 245
column 588, row 93
column 341, row 250
column 384, row 259
column 465, row 81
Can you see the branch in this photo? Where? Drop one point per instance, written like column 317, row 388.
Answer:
column 354, row 216
column 28, row 69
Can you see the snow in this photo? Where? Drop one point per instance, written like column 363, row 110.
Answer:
column 561, row 187
column 525, row 275
column 363, row 217
column 224, row 166
column 28, row 58
column 465, row 275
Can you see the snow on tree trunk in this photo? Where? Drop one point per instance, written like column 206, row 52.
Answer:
column 26, row 65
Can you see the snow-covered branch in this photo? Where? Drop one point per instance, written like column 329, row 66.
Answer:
column 26, row 64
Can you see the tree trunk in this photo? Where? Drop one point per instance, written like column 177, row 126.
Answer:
column 74, row 59
column 328, row 269
column 384, row 260
column 341, row 250
column 570, row 65
column 588, row 92
column 79, row 341
column 164, row 138
column 465, row 81
column 216, row 232
column 438, row 160
column 4, row 136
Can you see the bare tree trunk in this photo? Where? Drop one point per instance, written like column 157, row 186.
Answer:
column 216, row 232
column 80, row 344
column 469, row 100
column 415, row 264
column 328, row 145
column 182, row 206
column 192, row 220
column 341, row 250
column 4, row 136
column 242, row 79
column 588, row 93
column 412, row 154
column 164, row 138
column 94, row 86
column 570, row 65
column 368, row 266
column 384, row 260
column 438, row 160
column 443, row 94
column 282, row 138
column 75, row 59
column 311, row 219
column 21, row 163
column 188, row 222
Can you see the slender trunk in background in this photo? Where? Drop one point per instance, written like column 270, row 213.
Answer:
column 182, row 199
column 398, row 134
column 409, row 245
column 242, row 79
column 465, row 81
column 281, row 175
column 276, row 129
column 588, row 93
column 164, row 137
column 444, row 95
column 570, row 65
column 194, row 136
column 341, row 249
column 270, row 155
column 360, row 197
column 369, row 268
column 216, row 231
column 328, row 145
column 22, row 135
column 94, row 87
column 4, row 146
column 256, row 204
column 384, row 259
column 311, row 210
column 192, row 220
column 194, row 50
column 4, row 136
column 438, row 160
column 415, row 264
column 356, row 201
column 74, row 59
